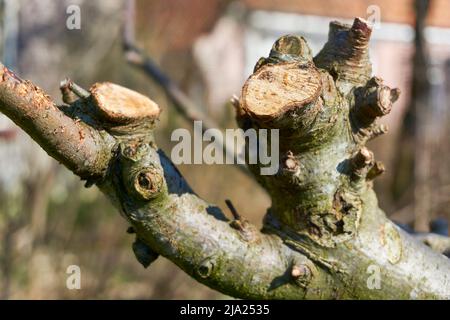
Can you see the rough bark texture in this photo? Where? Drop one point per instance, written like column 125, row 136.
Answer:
column 324, row 228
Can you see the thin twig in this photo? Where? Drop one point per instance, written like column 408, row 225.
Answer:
column 233, row 210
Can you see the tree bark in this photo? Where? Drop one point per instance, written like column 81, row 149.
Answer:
column 324, row 231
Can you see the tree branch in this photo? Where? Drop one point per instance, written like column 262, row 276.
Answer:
column 71, row 142
column 324, row 231
column 235, row 259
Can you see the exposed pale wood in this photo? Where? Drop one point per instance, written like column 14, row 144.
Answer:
column 121, row 105
column 275, row 89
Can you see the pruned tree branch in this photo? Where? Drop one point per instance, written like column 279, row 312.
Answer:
column 324, row 233
column 68, row 140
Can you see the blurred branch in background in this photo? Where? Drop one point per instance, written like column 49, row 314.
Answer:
column 421, row 111
column 422, row 174
column 10, row 31
column 23, row 192
column 446, row 134
column 413, row 162
column 182, row 103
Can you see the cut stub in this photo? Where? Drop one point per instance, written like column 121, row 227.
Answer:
column 346, row 53
column 292, row 45
column 287, row 48
column 121, row 106
column 372, row 101
column 361, row 163
column 275, row 89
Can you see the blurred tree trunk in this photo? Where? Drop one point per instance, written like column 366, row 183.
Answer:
column 413, row 169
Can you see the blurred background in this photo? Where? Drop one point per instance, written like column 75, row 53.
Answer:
column 49, row 221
